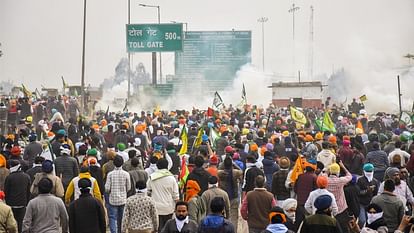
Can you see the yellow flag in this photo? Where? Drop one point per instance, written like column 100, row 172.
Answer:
column 297, row 115
column 363, row 98
column 184, row 139
column 199, row 139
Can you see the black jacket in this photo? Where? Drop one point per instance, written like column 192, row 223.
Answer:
column 17, row 189
column 67, row 168
column 365, row 195
column 320, row 222
column 86, row 215
column 200, row 175
column 96, row 172
column 171, row 227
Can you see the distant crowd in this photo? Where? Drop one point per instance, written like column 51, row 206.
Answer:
column 254, row 169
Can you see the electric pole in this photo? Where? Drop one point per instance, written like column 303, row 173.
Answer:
column 292, row 10
column 310, row 61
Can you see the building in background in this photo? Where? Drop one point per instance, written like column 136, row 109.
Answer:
column 299, row 94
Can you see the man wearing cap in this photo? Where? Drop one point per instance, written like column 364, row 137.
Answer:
column 368, row 187
column 322, row 220
column 121, row 151
column 117, row 185
column 66, row 167
column 75, row 190
column 336, row 187
column 45, row 213
column 256, row 206
column 140, row 214
column 322, row 183
column 33, row 149
column 17, row 190
column 279, row 189
column 392, row 206
column 86, row 214
column 47, row 169
column 401, row 188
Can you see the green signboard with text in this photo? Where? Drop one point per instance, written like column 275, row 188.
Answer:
column 211, row 59
column 154, row 37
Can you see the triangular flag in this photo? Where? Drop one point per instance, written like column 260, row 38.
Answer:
column 217, row 101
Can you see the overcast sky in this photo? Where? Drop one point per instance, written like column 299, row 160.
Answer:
column 42, row 39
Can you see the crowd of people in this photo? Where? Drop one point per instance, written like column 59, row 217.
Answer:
column 253, row 170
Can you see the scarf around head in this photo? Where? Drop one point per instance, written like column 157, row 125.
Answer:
column 192, row 190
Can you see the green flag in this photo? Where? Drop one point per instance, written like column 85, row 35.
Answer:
column 326, row 123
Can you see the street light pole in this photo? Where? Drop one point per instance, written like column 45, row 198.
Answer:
column 154, row 56
column 263, row 20
column 293, row 10
column 129, row 55
column 83, row 59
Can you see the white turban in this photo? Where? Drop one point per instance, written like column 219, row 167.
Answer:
column 289, row 203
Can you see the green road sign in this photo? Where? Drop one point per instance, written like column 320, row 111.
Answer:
column 211, row 59
column 154, row 37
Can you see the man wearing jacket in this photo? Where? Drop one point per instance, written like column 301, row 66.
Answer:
column 216, row 222
column 66, row 166
column 181, row 223
column 392, row 206
column 17, row 190
column 256, row 206
column 163, row 188
column 86, row 214
column 75, row 190
column 46, row 212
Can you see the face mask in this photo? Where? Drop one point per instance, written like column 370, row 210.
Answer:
column 373, row 217
column 181, row 217
column 369, row 175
